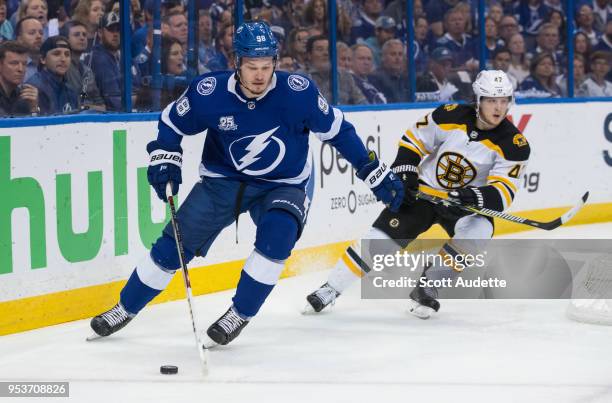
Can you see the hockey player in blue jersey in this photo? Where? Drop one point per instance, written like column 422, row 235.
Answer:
column 256, row 158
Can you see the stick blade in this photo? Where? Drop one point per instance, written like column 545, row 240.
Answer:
column 574, row 210
column 585, row 197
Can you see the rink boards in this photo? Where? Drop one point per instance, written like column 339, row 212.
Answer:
column 76, row 212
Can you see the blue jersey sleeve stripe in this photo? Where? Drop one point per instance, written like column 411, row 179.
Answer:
column 165, row 117
column 335, row 127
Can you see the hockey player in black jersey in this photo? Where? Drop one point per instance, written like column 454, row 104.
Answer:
column 471, row 154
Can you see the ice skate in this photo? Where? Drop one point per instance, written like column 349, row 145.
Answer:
column 321, row 298
column 110, row 322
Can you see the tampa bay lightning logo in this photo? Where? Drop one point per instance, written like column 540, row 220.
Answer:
column 297, row 83
column 257, row 154
column 206, row 86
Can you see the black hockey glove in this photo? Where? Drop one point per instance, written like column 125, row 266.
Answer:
column 409, row 175
column 469, row 196
column 164, row 166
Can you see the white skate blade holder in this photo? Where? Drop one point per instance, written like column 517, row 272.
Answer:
column 308, row 310
column 420, row 311
column 93, row 337
column 206, row 342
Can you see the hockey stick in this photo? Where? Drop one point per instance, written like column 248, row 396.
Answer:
column 441, row 197
column 202, row 351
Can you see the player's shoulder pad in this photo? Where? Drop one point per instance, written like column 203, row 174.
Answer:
column 210, row 83
column 453, row 113
column 512, row 142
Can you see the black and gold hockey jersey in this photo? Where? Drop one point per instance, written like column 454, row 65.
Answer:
column 452, row 153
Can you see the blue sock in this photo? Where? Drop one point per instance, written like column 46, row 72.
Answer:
column 250, row 295
column 135, row 294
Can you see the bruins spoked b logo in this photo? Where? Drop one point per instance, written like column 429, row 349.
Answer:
column 454, row 171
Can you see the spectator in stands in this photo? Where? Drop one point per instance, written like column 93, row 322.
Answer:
column 596, row 84
column 460, row 44
column 6, row 28
column 364, row 27
column 16, row 98
column 390, row 77
column 492, row 41
column 296, row 46
column 105, row 62
column 137, row 14
column 496, row 12
column 501, row 61
column 605, row 42
column 350, row 7
column 579, row 77
column 89, row 12
column 363, row 67
column 541, row 82
column 344, row 56
column 319, row 70
column 293, row 10
column 531, row 15
column 29, row 33
column 134, row 8
column 602, row 14
column 557, row 18
column 584, row 23
column 141, row 35
column 223, row 45
column 436, row 11
column 508, row 26
column 287, row 63
column 396, row 9
column 206, row 47
column 174, row 25
column 519, row 63
column 433, row 85
column 315, row 15
column 385, row 30
column 39, row 10
column 421, row 45
column 582, row 45
column 171, row 66
column 54, row 95
column 467, row 16
column 548, row 41
column 79, row 77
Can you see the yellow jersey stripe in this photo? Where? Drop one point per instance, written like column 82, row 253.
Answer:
column 504, row 192
column 494, row 147
column 452, row 126
column 411, row 148
column 417, row 142
column 505, row 181
column 433, row 192
column 351, row 265
column 405, row 139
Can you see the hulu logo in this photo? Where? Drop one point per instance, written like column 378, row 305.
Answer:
column 27, row 193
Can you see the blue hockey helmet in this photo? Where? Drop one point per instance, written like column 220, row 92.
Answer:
column 255, row 39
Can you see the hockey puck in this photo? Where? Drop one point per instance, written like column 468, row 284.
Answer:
column 168, row 369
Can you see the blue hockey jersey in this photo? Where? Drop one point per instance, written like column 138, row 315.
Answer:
column 259, row 140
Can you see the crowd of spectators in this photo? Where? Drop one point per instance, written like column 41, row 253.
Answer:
column 58, row 61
